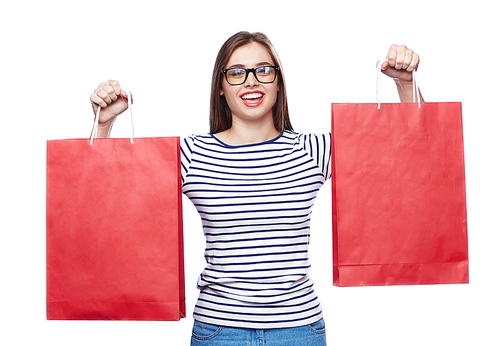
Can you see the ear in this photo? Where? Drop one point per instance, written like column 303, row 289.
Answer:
column 221, row 92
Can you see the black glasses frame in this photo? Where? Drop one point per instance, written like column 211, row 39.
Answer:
column 247, row 73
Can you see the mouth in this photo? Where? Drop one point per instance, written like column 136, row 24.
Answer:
column 253, row 98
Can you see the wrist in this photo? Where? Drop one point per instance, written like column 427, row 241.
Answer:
column 404, row 84
column 104, row 129
column 405, row 90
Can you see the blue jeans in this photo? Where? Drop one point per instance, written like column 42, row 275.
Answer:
column 209, row 335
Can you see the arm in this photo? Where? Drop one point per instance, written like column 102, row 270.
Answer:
column 401, row 61
column 113, row 101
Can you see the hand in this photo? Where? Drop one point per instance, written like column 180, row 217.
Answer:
column 401, row 61
column 400, row 64
column 112, row 100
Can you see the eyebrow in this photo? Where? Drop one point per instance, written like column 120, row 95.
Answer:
column 264, row 63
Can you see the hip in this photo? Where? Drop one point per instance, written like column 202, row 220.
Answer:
column 205, row 334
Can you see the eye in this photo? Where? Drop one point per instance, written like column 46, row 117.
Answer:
column 264, row 70
column 236, row 73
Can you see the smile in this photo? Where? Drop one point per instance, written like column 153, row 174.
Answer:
column 252, row 99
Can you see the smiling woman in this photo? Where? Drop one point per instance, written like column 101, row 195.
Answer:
column 220, row 112
column 250, row 99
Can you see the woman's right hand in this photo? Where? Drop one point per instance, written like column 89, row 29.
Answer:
column 112, row 100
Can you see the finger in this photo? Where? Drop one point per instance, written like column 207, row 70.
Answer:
column 109, row 90
column 117, row 90
column 391, row 56
column 413, row 65
column 382, row 64
column 97, row 101
column 127, row 94
column 400, row 57
column 104, row 95
column 407, row 59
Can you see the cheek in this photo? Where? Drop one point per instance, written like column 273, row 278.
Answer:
column 227, row 90
column 224, row 88
column 275, row 96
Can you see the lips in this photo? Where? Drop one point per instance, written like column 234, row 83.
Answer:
column 252, row 98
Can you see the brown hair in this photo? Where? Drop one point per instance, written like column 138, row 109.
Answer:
column 220, row 113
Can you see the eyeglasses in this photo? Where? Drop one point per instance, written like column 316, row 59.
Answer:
column 239, row 75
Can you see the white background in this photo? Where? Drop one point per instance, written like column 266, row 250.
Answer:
column 53, row 54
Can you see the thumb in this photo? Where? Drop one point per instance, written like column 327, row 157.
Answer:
column 384, row 64
column 125, row 95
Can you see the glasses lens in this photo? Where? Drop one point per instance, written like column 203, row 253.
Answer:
column 236, row 75
column 265, row 74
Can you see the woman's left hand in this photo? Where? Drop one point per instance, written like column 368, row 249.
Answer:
column 401, row 61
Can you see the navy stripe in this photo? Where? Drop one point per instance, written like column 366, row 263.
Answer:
column 257, row 203
column 259, row 262
column 219, row 234
column 260, row 289
column 253, row 218
column 193, row 176
column 307, row 207
column 245, row 167
column 255, row 239
column 256, row 270
column 257, row 305
column 256, row 247
column 266, row 254
column 257, row 314
column 246, row 278
column 234, row 159
column 256, row 196
column 260, row 225
column 250, row 322
column 278, row 303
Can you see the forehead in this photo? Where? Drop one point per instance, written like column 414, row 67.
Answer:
column 250, row 55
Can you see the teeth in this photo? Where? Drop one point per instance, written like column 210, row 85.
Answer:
column 252, row 96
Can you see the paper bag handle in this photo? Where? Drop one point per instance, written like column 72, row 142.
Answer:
column 414, row 84
column 96, row 121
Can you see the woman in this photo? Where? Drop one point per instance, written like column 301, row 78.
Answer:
column 254, row 181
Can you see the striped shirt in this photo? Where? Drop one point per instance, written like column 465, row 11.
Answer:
column 255, row 203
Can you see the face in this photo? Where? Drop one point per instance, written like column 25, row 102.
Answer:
column 251, row 101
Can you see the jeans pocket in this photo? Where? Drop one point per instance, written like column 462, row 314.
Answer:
column 205, row 331
column 318, row 327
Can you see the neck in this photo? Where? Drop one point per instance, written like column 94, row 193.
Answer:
column 241, row 135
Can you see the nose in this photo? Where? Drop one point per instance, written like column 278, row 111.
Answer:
column 251, row 79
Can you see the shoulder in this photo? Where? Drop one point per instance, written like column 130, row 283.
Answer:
column 291, row 136
column 194, row 139
column 306, row 140
column 310, row 138
column 190, row 143
column 197, row 137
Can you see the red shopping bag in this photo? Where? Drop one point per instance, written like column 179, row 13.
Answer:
column 114, row 230
column 399, row 211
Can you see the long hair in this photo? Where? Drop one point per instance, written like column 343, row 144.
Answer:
column 220, row 113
